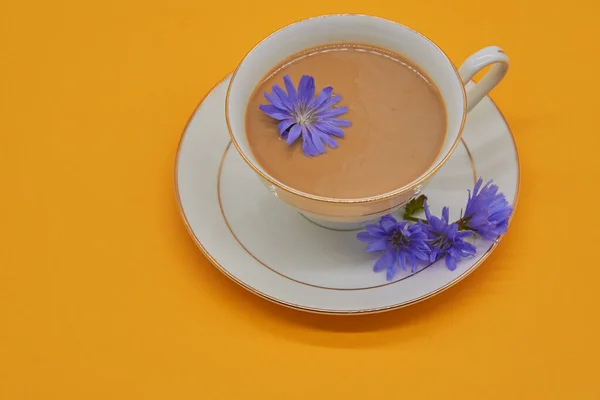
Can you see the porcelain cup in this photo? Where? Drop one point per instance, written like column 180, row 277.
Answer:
column 459, row 99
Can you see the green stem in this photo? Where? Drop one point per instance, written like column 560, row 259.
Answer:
column 463, row 225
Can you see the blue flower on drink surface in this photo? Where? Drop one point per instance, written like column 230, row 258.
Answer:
column 445, row 240
column 487, row 211
column 402, row 243
column 302, row 114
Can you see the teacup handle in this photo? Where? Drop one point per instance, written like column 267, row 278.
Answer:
column 472, row 65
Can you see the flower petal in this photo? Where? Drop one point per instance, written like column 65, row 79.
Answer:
column 308, row 147
column 329, row 129
column 391, row 271
column 469, row 248
column 378, row 245
column 316, row 140
column 450, row 262
column 415, row 231
column 375, row 230
column 427, row 212
column 306, row 89
column 322, row 97
column 294, row 134
column 402, row 259
column 388, row 223
column 367, row 237
column 282, row 95
column 328, row 140
column 285, row 124
column 451, row 230
column 337, row 122
column 274, row 99
column 273, row 112
column 412, row 261
column 270, row 108
column 333, row 100
column 477, row 186
column 421, row 255
column 464, row 234
column 445, row 215
column 291, row 89
column 332, row 112
column 384, row 261
column 455, row 252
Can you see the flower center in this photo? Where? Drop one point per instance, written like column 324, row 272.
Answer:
column 398, row 240
column 303, row 115
column 441, row 242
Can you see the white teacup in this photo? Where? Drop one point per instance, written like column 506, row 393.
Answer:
column 355, row 213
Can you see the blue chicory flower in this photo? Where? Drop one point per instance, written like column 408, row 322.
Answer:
column 445, row 240
column 402, row 243
column 487, row 211
column 302, row 114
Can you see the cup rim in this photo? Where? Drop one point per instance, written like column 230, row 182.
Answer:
column 369, row 199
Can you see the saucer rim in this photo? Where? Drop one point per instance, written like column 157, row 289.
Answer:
column 315, row 310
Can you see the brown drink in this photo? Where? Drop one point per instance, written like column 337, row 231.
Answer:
column 398, row 123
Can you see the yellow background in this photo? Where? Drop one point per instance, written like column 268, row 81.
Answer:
column 104, row 296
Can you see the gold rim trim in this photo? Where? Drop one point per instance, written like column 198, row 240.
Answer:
column 365, row 199
column 471, row 160
column 329, row 311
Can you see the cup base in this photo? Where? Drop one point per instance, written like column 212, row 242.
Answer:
column 338, row 226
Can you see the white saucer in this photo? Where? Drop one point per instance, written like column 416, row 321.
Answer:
column 271, row 250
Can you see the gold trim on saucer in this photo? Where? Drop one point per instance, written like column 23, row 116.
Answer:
column 470, row 160
column 359, row 200
column 298, row 307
